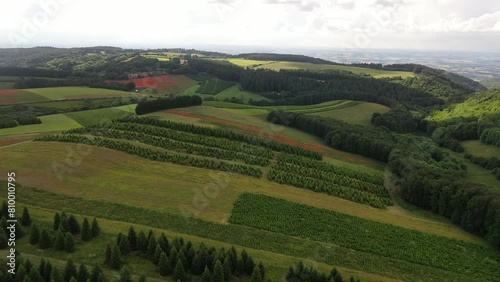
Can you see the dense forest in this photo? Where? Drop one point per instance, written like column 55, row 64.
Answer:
column 167, row 103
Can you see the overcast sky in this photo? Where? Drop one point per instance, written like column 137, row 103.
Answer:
column 463, row 25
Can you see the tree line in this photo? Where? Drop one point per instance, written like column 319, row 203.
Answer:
column 159, row 104
column 182, row 260
column 366, row 141
column 302, row 273
column 225, row 134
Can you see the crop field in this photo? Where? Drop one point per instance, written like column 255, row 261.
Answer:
column 293, row 219
column 246, row 63
column 16, row 96
column 319, row 67
column 72, row 104
column 61, row 93
column 357, row 114
column 50, row 123
column 166, row 84
column 258, row 126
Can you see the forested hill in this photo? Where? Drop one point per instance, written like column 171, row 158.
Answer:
column 284, row 57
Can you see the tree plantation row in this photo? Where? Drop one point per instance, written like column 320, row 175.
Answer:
column 174, row 145
column 320, row 186
column 386, row 240
column 249, row 237
column 154, row 155
column 226, row 134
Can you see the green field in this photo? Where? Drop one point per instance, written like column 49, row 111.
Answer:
column 357, row 114
column 60, row 93
column 246, row 62
column 18, row 96
column 319, row 67
column 92, row 117
column 57, row 122
column 477, row 148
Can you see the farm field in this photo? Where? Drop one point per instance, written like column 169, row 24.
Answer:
column 17, row 96
column 166, row 84
column 246, row 62
column 109, row 229
column 61, row 93
column 319, row 67
column 92, row 117
column 50, row 123
column 357, row 114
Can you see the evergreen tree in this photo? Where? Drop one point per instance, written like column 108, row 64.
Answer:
column 218, row 275
column 107, row 255
column 196, row 266
column 142, row 242
column 64, row 223
column 102, row 278
column 35, row 276
column 206, row 276
column 183, row 259
column 227, row 269
column 26, row 219
column 96, row 272
column 164, row 244
column 233, row 257
column 256, row 275
column 250, row 265
column 83, row 273
column 156, row 258
column 179, row 272
column 73, row 279
column 5, row 209
column 142, row 278
column 21, row 273
column 86, row 232
column 164, row 265
column 59, row 241
column 41, row 266
column 19, row 231
column 34, row 234
column 70, row 270
column 174, row 255
column 151, row 247
column 57, row 221
column 125, row 275
column 69, row 243
column 116, row 260
column 262, row 270
column 132, row 238
column 47, row 271
column 3, row 239
column 95, row 229
column 74, row 226
column 45, row 241
column 124, row 245
column 56, row 275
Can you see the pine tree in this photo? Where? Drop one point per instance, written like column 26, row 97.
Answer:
column 164, row 244
column 95, row 229
column 196, row 266
column 64, row 223
column 21, row 273
column 132, row 238
column 5, row 209
column 57, row 221
column 86, row 232
column 218, row 275
column 206, row 276
column 256, row 275
column 179, row 272
column 74, row 226
column 45, row 241
column 156, row 258
column 142, row 278
column 151, row 247
column 183, row 259
column 47, row 271
column 262, row 270
column 142, row 243
column 69, row 243
column 102, row 278
column 70, row 270
column 26, row 219
column 227, row 269
column 56, row 275
column 116, row 260
column 59, row 241
column 107, row 255
column 96, row 271
column 34, row 234
column 35, row 276
column 41, row 266
column 124, row 245
column 164, row 265
column 250, row 265
column 125, row 275
column 83, row 273
column 3, row 239
column 73, row 279
column 19, row 231
column 174, row 255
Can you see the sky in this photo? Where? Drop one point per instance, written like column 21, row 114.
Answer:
column 460, row 25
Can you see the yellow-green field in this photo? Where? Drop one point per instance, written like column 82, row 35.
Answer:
column 246, row 62
column 477, row 148
column 358, row 114
column 50, row 123
column 319, row 67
